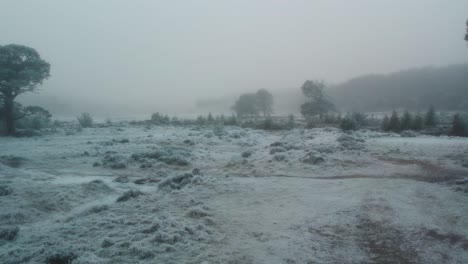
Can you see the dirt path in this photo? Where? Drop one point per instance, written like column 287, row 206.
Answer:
column 298, row 220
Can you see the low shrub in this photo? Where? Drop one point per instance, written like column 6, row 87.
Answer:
column 85, row 120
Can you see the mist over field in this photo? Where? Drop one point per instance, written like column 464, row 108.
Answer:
column 147, row 56
column 238, row 132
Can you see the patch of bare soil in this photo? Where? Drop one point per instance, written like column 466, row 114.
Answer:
column 432, row 172
column 383, row 241
column 450, row 238
column 414, row 177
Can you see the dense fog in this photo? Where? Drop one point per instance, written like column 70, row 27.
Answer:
column 132, row 58
column 237, row 132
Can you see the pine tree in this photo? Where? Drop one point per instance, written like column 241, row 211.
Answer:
column 458, row 126
column 290, row 123
column 385, row 123
column 406, row 121
column 418, row 123
column 210, row 118
column 431, row 119
column 394, row 123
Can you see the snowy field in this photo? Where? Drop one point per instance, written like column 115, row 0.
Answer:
column 149, row 194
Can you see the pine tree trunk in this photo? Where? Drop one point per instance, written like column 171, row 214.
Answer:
column 9, row 118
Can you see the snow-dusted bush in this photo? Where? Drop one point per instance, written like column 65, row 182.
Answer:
column 247, row 153
column 97, row 209
column 165, row 238
column 171, row 156
column 313, row 158
column 35, row 121
column 279, row 157
column 153, row 228
column 177, row 182
column 348, row 124
column 197, row 213
column 5, row 190
column 114, row 161
column 122, row 140
column 218, row 130
column 351, row 143
column 129, row 195
column 12, row 161
column 408, row 133
column 85, row 120
column 61, row 258
column 282, row 147
column 8, row 233
column 276, row 150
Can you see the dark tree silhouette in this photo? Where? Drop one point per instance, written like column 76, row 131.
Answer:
column 318, row 104
column 246, row 105
column 394, row 122
column 458, row 126
column 418, row 123
column 264, row 102
column 431, row 118
column 466, row 35
column 21, row 71
column 385, row 123
column 406, row 121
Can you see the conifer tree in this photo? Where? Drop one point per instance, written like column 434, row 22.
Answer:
column 394, row 122
column 431, row 119
column 458, row 126
column 406, row 121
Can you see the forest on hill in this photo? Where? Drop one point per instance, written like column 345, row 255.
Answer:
column 415, row 89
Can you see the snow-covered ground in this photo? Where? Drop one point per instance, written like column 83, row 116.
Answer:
column 149, row 194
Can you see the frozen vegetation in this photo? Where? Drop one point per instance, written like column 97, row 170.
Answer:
column 134, row 193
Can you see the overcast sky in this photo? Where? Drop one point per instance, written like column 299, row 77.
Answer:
column 161, row 52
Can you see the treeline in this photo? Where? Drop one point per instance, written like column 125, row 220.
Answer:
column 267, row 123
column 417, row 89
column 253, row 104
column 417, row 122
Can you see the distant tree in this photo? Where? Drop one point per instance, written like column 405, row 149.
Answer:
column 222, row 118
column 318, row 104
column 38, row 110
column 458, row 126
column 231, row 121
column 348, row 123
column 175, row 121
column 406, row 121
column 200, row 120
column 385, row 123
column 394, row 122
column 418, row 123
column 466, row 35
column 264, row 102
column 246, row 105
column 360, row 119
column 210, row 118
column 431, row 118
column 291, row 123
column 166, row 119
column 157, row 118
column 21, row 71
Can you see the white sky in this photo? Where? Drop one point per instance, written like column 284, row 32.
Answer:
column 170, row 53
